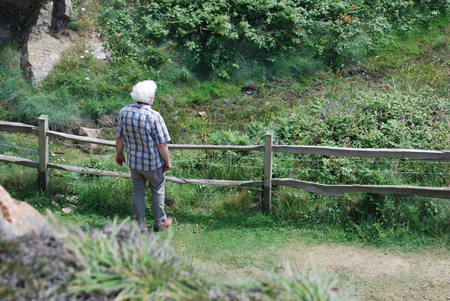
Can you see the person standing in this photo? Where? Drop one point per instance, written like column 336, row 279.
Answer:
column 144, row 135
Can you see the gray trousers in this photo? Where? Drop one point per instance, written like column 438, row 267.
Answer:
column 156, row 181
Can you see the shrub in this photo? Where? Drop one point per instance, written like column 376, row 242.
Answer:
column 223, row 35
column 74, row 26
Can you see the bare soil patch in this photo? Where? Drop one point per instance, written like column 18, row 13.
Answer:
column 365, row 274
column 378, row 274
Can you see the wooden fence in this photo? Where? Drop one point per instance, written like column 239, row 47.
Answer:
column 268, row 148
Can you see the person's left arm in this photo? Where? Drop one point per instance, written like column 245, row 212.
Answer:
column 162, row 137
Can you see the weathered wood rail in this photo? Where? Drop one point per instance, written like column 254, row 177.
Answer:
column 268, row 148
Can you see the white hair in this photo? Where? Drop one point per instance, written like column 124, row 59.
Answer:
column 144, row 91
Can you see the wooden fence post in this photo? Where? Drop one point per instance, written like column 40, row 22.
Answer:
column 43, row 152
column 267, row 171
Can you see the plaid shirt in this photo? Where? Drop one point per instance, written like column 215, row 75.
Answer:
column 142, row 129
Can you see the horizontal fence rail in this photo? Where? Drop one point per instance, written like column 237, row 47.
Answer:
column 363, row 152
column 268, row 148
column 434, row 192
column 99, row 172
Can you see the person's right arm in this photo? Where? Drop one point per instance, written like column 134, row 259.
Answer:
column 120, row 158
column 164, row 152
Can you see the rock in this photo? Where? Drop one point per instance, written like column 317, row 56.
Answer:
column 249, row 89
column 61, row 14
column 5, row 33
column 73, row 199
column 18, row 218
column 41, row 25
column 24, row 7
column 41, row 51
column 38, row 268
column 42, row 34
column 87, row 132
column 58, row 196
column 385, row 87
column 99, row 50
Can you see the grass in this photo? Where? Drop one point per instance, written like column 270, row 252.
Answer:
column 426, row 44
column 225, row 249
column 230, row 239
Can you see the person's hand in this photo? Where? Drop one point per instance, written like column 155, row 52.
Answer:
column 167, row 166
column 120, row 159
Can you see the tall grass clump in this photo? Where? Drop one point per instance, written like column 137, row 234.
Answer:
column 122, row 263
column 13, row 85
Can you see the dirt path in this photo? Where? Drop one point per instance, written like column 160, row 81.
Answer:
column 365, row 274
column 379, row 275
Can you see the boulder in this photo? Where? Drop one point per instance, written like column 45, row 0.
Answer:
column 87, row 132
column 19, row 218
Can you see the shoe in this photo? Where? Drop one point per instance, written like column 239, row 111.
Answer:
column 166, row 224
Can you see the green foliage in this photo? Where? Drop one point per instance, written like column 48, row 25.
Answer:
column 76, row 2
column 204, row 93
column 222, row 36
column 57, row 106
column 369, row 119
column 229, row 138
column 80, row 87
column 74, row 26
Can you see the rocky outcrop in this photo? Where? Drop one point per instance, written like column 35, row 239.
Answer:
column 22, row 7
column 40, row 28
column 62, row 10
column 19, row 218
column 40, row 49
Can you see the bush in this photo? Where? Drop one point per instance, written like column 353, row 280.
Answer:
column 74, row 26
column 221, row 36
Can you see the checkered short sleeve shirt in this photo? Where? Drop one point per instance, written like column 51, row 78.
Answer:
column 142, row 129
